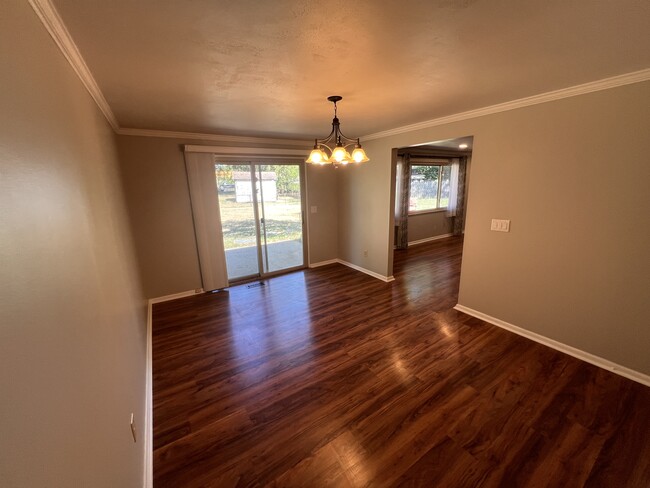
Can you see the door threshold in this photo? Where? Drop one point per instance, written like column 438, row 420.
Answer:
column 261, row 279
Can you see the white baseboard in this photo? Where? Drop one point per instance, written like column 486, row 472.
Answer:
column 147, row 481
column 429, row 239
column 175, row 296
column 387, row 279
column 323, row 263
column 559, row 346
column 148, row 405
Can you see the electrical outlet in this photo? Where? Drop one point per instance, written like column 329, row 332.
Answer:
column 365, row 253
column 133, row 428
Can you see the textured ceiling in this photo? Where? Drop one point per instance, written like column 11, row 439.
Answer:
column 266, row 67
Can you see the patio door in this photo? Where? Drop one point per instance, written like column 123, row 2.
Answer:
column 262, row 217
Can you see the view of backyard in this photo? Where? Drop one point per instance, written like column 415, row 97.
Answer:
column 430, row 187
column 275, row 189
column 283, row 220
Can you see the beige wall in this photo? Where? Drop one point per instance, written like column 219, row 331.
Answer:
column 423, row 226
column 161, row 216
column 323, row 225
column 72, row 318
column 563, row 172
column 365, row 213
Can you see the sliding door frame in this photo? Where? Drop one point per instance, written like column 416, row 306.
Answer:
column 255, row 163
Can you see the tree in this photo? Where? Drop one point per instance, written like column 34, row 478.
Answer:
column 287, row 178
column 429, row 172
column 224, row 171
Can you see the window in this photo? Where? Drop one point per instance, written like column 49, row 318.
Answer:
column 429, row 187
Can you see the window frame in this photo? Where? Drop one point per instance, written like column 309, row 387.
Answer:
column 440, row 165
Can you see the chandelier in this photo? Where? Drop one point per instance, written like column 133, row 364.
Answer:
column 337, row 144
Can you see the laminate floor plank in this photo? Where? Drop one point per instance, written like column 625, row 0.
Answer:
column 330, row 378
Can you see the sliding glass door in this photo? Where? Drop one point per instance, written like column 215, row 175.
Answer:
column 261, row 209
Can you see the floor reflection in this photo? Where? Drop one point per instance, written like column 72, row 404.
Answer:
column 268, row 321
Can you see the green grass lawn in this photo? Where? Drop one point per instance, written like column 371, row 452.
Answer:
column 424, row 203
column 283, row 220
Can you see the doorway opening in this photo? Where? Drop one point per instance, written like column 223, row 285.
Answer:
column 430, row 187
column 262, row 217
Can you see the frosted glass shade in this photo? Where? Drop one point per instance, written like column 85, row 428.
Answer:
column 359, row 155
column 340, row 155
column 317, row 156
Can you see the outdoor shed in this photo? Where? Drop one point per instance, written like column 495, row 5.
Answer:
column 243, row 186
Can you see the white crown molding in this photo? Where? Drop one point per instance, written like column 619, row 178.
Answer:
column 301, row 143
column 50, row 18
column 52, row 21
column 606, row 364
column 604, row 84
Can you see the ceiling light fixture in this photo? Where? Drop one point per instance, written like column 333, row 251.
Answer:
column 337, row 144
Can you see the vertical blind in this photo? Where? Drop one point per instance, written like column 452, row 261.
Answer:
column 207, row 219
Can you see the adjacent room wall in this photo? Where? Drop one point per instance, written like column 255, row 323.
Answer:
column 161, row 215
column 72, row 316
column 572, row 176
column 428, row 225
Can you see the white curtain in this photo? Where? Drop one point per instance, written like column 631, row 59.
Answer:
column 398, row 188
column 207, row 219
column 457, row 194
column 452, row 210
column 402, row 195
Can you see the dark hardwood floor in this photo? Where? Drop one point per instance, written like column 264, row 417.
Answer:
column 329, row 377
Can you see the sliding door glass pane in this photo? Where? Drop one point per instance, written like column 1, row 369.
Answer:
column 281, row 216
column 234, row 188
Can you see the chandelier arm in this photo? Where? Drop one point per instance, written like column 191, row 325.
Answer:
column 327, row 139
column 348, row 140
column 330, row 141
column 327, row 145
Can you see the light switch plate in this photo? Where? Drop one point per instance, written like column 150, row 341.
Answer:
column 500, row 225
column 314, row 209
